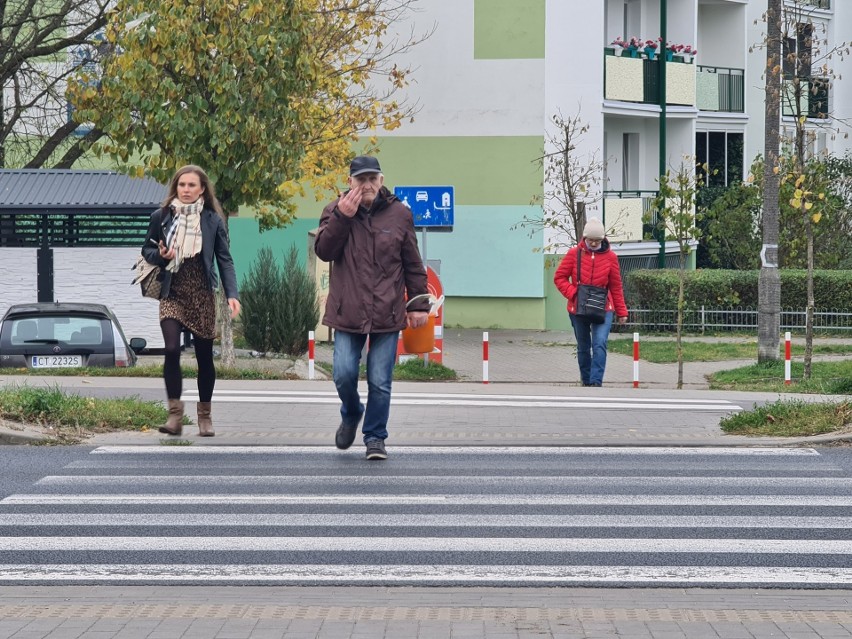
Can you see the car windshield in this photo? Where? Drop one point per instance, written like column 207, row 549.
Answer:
column 69, row 329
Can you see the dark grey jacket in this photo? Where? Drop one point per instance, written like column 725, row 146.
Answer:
column 214, row 241
column 375, row 262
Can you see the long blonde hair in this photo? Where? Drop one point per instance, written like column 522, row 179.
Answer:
column 209, row 195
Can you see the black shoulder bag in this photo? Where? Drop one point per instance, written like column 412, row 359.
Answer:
column 591, row 300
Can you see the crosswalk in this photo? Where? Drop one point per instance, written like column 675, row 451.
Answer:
column 559, row 516
column 478, row 400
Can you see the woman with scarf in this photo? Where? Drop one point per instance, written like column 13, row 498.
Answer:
column 183, row 237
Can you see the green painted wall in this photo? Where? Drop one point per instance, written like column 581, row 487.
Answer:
column 505, row 29
column 246, row 241
column 484, row 257
column 556, row 311
column 481, row 257
column 493, row 313
column 483, row 170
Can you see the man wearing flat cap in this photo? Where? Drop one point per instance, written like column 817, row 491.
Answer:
column 368, row 235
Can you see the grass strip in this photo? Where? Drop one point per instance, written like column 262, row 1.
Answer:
column 790, row 418
column 665, row 352
column 70, row 416
column 189, row 372
column 828, row 378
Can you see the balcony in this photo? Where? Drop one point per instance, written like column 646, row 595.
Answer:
column 721, row 89
column 624, row 214
column 637, row 80
column 813, row 97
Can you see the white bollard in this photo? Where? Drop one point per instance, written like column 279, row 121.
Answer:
column 787, row 350
column 635, row 360
column 310, row 355
column 485, row 357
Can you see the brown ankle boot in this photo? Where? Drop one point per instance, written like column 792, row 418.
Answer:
column 205, row 423
column 174, row 424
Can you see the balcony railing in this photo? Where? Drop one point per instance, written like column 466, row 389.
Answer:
column 637, row 80
column 813, row 94
column 721, row 89
column 625, row 213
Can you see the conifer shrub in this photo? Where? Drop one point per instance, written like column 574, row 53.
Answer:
column 259, row 297
column 279, row 304
column 298, row 309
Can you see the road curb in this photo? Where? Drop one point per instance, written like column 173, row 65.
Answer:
column 17, row 437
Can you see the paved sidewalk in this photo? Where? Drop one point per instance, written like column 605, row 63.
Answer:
column 524, row 356
column 80, row 612
column 521, row 363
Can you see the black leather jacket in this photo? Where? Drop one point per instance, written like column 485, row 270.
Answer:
column 214, row 241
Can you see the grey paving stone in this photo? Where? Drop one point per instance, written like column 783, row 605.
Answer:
column 699, row 630
column 731, row 630
column 434, row 630
column 831, row 630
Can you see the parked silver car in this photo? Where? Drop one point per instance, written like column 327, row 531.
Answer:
column 64, row 335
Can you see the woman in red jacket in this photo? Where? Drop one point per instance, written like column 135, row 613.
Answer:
column 599, row 267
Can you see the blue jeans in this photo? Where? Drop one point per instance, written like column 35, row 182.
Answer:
column 381, row 358
column 591, row 347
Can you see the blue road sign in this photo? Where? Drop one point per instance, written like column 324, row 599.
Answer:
column 430, row 205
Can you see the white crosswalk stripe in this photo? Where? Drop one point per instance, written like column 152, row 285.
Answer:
column 431, row 516
column 476, row 400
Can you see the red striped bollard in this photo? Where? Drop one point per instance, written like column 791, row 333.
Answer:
column 485, row 357
column 787, row 350
column 310, row 354
column 635, row 360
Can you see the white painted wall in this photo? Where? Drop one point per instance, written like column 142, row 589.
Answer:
column 100, row 276
column 840, row 30
column 722, row 35
column 573, row 75
column 460, row 96
column 839, row 26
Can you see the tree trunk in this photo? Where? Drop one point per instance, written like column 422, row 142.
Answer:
column 2, row 125
column 809, row 311
column 226, row 326
column 769, row 283
column 681, row 278
column 226, row 334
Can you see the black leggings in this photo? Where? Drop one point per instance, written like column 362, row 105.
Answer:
column 172, row 330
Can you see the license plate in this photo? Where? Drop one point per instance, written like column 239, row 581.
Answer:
column 56, row 361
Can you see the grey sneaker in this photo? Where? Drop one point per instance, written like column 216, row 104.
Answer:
column 346, row 434
column 376, row 449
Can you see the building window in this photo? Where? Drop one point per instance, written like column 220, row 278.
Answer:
column 722, row 152
column 798, row 52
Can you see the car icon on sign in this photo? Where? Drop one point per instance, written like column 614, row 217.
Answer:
column 421, row 196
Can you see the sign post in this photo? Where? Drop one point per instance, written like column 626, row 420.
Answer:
column 432, row 207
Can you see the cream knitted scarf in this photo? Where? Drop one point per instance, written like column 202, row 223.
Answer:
column 185, row 233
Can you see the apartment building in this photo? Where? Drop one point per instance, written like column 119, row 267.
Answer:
column 487, row 83
column 494, row 73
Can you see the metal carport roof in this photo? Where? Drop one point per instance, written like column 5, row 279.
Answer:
column 43, row 190
column 47, row 208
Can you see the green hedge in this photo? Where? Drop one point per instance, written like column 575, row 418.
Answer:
column 713, row 288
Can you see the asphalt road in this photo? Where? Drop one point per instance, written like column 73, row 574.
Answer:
column 474, row 516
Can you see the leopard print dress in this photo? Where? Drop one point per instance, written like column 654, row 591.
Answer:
column 190, row 302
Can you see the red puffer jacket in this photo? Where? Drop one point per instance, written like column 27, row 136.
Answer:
column 599, row 268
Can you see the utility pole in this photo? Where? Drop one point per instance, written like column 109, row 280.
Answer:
column 661, row 234
column 769, row 282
